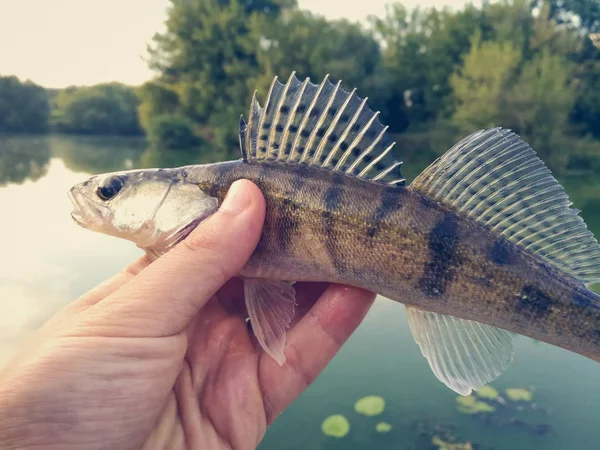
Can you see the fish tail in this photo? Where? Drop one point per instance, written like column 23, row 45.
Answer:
column 494, row 178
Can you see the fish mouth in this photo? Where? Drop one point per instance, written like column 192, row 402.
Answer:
column 86, row 212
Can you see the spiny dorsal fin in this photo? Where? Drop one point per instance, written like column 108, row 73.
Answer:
column 496, row 178
column 322, row 125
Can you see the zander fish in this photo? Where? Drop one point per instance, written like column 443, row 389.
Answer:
column 483, row 241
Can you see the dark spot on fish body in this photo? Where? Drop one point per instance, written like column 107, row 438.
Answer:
column 439, row 272
column 500, row 253
column 289, row 207
column 390, row 201
column 533, row 303
column 220, row 173
column 427, row 202
column 332, row 203
column 581, row 300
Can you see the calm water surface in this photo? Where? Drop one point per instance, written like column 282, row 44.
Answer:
column 47, row 261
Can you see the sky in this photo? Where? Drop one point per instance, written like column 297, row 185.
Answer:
column 58, row 43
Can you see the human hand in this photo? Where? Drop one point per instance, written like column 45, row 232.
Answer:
column 160, row 355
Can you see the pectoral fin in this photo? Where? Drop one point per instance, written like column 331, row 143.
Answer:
column 463, row 354
column 270, row 305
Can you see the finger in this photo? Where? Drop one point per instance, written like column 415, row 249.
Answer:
column 164, row 297
column 311, row 344
column 96, row 294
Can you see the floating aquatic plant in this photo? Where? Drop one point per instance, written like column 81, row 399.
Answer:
column 443, row 445
column 519, row 394
column 470, row 405
column 383, row 427
column 487, row 392
column 371, row 405
column 335, row 426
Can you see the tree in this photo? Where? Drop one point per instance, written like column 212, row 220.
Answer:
column 24, row 106
column 109, row 109
column 314, row 47
column 208, row 57
column 480, row 84
column 420, row 50
column 538, row 105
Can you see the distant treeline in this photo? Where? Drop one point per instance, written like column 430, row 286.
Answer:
column 528, row 65
column 104, row 109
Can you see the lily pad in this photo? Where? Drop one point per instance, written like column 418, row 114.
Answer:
column 383, row 427
column 335, row 426
column 371, row 405
column 519, row 394
column 470, row 405
column 443, row 445
column 487, row 392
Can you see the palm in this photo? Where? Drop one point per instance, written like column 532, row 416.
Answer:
column 232, row 388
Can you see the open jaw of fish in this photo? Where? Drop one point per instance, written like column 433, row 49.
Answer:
column 483, row 241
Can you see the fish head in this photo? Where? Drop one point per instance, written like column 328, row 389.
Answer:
column 153, row 208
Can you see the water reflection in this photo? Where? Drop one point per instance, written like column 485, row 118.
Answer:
column 23, row 158
column 47, row 261
column 157, row 157
column 98, row 154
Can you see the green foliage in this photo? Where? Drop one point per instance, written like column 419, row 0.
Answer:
column 173, row 131
column 313, row 47
column 479, row 86
column 208, row 57
column 24, row 106
column 108, row 109
column 434, row 75
column 421, row 49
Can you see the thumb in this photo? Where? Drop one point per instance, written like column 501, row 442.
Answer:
column 164, row 297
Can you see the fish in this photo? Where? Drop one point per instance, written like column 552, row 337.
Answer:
column 483, row 243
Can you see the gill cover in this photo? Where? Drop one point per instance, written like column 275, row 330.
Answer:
column 154, row 209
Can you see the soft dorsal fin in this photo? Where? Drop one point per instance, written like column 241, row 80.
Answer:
column 494, row 177
column 322, row 125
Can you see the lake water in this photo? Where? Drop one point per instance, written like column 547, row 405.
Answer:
column 47, row 261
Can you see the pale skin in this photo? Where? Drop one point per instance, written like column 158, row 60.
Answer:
column 160, row 356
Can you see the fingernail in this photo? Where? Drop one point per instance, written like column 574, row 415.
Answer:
column 237, row 199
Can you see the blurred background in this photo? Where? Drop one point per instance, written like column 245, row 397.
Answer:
column 91, row 87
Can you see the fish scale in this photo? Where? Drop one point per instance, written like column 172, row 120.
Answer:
column 484, row 241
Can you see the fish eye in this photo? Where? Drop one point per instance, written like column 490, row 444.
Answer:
column 109, row 188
